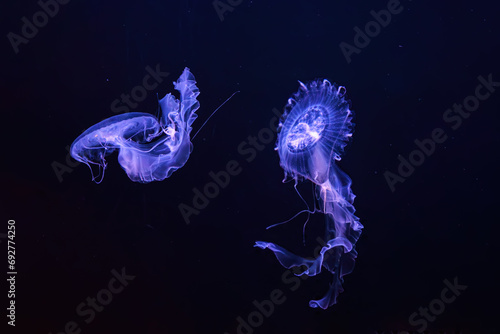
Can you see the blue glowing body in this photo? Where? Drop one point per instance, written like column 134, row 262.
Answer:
column 150, row 149
column 314, row 129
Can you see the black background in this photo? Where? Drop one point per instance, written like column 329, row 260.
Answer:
column 441, row 223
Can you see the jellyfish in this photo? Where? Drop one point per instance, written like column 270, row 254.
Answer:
column 150, row 148
column 313, row 132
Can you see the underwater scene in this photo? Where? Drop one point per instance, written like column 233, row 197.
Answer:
column 247, row 167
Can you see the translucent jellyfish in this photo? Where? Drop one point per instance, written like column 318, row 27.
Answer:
column 150, row 148
column 314, row 129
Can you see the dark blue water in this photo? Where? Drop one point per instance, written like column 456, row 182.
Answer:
column 423, row 79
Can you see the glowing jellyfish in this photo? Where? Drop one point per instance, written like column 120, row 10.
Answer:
column 314, row 130
column 150, row 149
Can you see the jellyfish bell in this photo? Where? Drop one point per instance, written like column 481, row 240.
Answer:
column 314, row 128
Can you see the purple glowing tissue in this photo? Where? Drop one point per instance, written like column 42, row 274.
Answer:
column 150, row 148
column 314, row 129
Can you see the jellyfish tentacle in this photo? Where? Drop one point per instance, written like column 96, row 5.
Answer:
column 213, row 113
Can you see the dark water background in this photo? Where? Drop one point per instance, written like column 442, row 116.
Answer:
column 440, row 224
